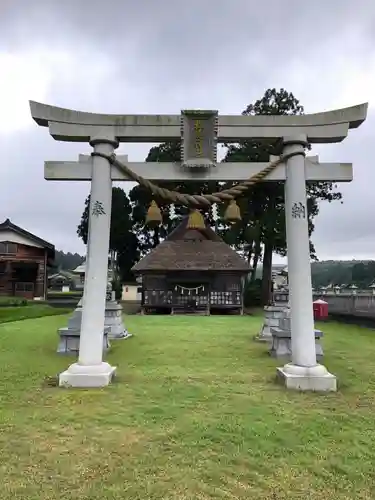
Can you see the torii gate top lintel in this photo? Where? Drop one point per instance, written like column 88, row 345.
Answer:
column 78, row 126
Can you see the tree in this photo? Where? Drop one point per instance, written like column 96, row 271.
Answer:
column 331, row 272
column 360, row 273
column 142, row 197
column 66, row 261
column 122, row 241
column 264, row 204
column 262, row 228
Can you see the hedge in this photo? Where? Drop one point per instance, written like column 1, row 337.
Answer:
column 17, row 313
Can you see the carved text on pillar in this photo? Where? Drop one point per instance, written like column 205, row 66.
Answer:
column 298, row 210
column 98, row 208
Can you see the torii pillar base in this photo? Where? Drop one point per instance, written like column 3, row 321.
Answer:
column 302, row 378
column 87, row 376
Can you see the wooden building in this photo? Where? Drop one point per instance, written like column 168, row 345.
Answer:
column 63, row 279
column 80, row 271
column 192, row 270
column 23, row 262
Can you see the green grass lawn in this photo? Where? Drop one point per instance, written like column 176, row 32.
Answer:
column 194, row 414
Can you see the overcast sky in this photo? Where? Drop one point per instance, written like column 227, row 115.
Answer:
column 160, row 57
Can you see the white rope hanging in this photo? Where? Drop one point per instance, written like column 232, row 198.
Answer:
column 215, row 212
column 189, row 290
column 172, row 211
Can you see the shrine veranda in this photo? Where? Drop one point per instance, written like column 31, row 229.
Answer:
column 200, row 131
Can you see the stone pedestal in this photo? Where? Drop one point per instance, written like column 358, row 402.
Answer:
column 113, row 327
column 69, row 341
column 281, row 297
column 282, row 344
column 113, row 320
column 272, row 317
column 70, row 335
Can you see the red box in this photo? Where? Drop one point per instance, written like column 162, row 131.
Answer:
column 320, row 308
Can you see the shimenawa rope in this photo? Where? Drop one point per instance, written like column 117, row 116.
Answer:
column 196, row 199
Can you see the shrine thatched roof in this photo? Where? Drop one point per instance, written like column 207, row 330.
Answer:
column 192, row 250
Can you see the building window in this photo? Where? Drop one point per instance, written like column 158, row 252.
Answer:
column 8, row 248
column 233, row 286
column 24, row 287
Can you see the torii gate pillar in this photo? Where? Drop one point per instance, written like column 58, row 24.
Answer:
column 303, row 373
column 91, row 370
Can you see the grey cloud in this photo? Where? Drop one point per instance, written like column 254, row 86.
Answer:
column 51, row 210
column 150, row 57
column 163, row 47
column 348, row 229
column 176, row 35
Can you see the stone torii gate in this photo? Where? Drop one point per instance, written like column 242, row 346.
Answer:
column 200, row 131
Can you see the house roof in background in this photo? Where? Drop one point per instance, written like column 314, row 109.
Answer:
column 7, row 225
